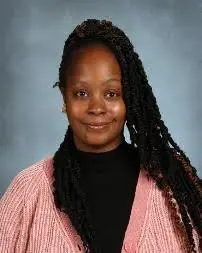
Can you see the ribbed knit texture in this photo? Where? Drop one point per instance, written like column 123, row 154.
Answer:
column 30, row 222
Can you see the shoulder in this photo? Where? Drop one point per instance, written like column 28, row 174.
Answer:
column 29, row 180
column 163, row 214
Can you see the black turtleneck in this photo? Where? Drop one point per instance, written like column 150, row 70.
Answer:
column 109, row 180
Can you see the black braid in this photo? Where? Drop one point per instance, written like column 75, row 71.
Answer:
column 69, row 196
column 163, row 159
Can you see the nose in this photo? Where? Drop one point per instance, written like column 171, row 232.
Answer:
column 96, row 105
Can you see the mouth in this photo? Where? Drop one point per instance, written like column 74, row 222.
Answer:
column 98, row 126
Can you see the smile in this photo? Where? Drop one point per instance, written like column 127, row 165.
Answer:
column 98, row 126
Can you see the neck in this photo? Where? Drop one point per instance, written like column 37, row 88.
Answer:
column 97, row 148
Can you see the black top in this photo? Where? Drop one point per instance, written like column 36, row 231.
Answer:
column 109, row 180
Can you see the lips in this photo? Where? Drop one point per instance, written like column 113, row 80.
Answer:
column 98, row 123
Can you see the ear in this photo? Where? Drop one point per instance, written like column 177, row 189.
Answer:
column 62, row 90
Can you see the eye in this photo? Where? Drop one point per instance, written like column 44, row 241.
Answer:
column 112, row 94
column 80, row 93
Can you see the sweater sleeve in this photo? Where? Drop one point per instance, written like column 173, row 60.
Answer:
column 11, row 212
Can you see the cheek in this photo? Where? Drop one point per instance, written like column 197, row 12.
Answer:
column 75, row 110
column 119, row 111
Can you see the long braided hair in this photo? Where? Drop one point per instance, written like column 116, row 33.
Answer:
column 159, row 155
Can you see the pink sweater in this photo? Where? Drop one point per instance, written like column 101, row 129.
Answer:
column 30, row 222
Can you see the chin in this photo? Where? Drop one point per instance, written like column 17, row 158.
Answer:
column 96, row 141
column 99, row 140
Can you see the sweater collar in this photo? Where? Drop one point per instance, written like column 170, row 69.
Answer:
column 96, row 162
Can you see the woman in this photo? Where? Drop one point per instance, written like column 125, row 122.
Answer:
column 98, row 193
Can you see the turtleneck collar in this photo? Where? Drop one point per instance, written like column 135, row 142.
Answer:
column 104, row 161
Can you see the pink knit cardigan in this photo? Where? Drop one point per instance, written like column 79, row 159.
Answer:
column 30, row 221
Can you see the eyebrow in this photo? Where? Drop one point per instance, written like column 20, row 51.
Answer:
column 107, row 81
column 113, row 79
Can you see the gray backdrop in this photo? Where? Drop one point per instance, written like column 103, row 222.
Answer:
column 167, row 35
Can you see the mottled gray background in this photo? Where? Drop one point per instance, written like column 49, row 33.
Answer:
column 166, row 33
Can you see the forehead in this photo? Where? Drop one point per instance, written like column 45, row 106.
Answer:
column 97, row 57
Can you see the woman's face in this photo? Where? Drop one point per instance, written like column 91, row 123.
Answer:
column 94, row 99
